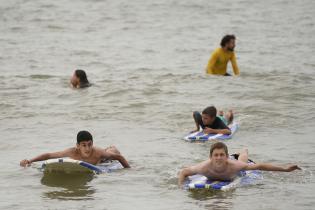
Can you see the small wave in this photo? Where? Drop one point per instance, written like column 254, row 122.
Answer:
column 41, row 76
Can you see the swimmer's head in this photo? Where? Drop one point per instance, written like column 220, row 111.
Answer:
column 84, row 136
column 208, row 115
column 219, row 145
column 228, row 42
column 84, row 143
column 79, row 79
column 219, row 153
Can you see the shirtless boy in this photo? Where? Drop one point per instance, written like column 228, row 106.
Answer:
column 84, row 151
column 220, row 167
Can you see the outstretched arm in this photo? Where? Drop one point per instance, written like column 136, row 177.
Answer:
column 45, row 156
column 116, row 156
column 270, row 167
column 183, row 174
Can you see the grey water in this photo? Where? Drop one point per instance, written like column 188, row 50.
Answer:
column 146, row 60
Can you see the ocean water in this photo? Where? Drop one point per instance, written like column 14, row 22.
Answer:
column 146, row 60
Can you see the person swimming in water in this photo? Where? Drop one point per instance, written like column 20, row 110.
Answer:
column 209, row 121
column 79, row 79
column 84, row 151
column 220, row 57
column 220, row 167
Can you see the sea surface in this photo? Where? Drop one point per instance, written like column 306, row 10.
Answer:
column 146, row 60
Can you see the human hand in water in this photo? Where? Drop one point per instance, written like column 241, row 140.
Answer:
column 292, row 168
column 25, row 163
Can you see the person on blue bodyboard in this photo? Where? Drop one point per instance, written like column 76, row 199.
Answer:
column 84, row 151
column 220, row 167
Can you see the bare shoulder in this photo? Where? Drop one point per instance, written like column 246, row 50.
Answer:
column 99, row 151
column 236, row 164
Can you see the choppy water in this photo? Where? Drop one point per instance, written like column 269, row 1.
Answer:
column 146, row 60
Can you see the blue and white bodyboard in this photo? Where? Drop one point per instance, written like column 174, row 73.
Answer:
column 201, row 136
column 243, row 178
column 68, row 165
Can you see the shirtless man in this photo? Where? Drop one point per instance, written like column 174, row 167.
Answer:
column 220, row 167
column 84, row 151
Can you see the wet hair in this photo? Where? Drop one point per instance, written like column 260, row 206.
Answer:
column 219, row 145
column 84, row 136
column 84, row 82
column 226, row 39
column 211, row 111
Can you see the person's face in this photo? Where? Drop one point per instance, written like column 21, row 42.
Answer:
column 207, row 120
column 75, row 80
column 219, row 157
column 231, row 45
column 85, row 148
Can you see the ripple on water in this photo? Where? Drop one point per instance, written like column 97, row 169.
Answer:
column 146, row 61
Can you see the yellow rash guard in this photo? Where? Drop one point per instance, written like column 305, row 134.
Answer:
column 218, row 62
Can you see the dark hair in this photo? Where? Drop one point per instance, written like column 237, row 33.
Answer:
column 211, row 111
column 226, row 39
column 219, row 145
column 84, row 136
column 84, row 82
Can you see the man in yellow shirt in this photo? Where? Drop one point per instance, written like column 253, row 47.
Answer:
column 221, row 56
